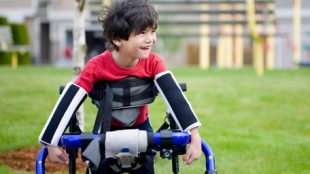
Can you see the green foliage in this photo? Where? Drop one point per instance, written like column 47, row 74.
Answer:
column 254, row 124
column 24, row 58
column 20, row 34
column 5, row 58
column 4, row 21
column 20, row 37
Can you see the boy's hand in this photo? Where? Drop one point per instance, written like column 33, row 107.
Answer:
column 57, row 155
column 193, row 152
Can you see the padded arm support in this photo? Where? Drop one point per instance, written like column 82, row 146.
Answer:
column 176, row 101
column 69, row 101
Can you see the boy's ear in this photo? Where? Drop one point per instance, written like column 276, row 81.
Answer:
column 117, row 42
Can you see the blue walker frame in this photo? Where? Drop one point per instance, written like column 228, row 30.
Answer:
column 73, row 141
column 178, row 138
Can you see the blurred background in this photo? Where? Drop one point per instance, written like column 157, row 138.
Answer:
column 255, row 121
column 192, row 32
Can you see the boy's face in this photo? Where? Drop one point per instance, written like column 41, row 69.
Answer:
column 138, row 45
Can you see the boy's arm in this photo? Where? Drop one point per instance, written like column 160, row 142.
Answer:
column 193, row 151
column 69, row 101
column 177, row 103
column 57, row 155
column 181, row 112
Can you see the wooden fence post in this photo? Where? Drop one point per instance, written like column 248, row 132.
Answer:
column 297, row 31
column 270, row 40
column 238, row 44
column 204, row 46
column 258, row 41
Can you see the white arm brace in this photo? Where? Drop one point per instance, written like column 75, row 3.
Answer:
column 67, row 104
column 177, row 103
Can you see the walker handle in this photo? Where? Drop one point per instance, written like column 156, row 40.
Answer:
column 76, row 141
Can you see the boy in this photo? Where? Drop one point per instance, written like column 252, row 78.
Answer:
column 130, row 31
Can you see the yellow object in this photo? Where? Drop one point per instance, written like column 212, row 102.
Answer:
column 258, row 50
column 238, row 40
column 252, row 20
column 14, row 61
column 204, row 45
column 270, row 40
column 297, row 31
column 258, row 41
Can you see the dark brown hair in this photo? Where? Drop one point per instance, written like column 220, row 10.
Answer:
column 125, row 17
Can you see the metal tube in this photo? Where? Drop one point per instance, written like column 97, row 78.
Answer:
column 40, row 161
column 74, row 141
column 178, row 138
column 210, row 161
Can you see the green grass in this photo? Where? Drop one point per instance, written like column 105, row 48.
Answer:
column 253, row 124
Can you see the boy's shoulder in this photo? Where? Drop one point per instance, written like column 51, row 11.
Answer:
column 153, row 56
column 104, row 56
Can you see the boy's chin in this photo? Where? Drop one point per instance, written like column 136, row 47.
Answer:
column 145, row 56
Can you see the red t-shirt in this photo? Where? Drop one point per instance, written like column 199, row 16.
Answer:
column 103, row 67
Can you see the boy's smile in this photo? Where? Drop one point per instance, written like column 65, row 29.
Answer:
column 145, row 51
column 138, row 46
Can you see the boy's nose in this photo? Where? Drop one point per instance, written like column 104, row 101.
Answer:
column 150, row 38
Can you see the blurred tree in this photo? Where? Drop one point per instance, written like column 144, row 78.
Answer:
column 79, row 49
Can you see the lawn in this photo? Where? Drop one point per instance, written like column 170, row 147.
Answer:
column 253, row 124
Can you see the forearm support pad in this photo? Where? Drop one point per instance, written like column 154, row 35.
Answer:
column 177, row 104
column 67, row 104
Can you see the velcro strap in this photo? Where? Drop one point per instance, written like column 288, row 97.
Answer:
column 128, row 92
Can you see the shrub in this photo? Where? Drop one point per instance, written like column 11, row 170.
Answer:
column 20, row 34
column 5, row 58
column 20, row 37
column 4, row 21
column 24, row 58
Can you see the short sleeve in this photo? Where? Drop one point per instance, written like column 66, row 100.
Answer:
column 158, row 66
column 88, row 76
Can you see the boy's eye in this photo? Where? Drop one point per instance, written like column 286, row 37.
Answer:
column 144, row 32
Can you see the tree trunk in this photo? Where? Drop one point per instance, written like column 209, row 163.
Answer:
column 79, row 50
